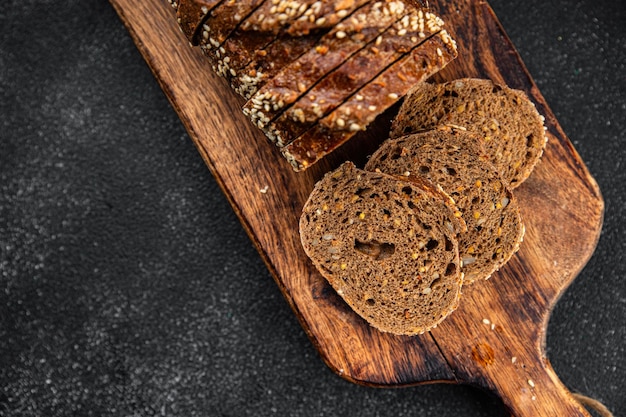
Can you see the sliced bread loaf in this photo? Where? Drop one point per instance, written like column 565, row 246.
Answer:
column 455, row 161
column 331, row 91
column 269, row 23
column 506, row 119
column 362, row 108
column 341, row 42
column 388, row 246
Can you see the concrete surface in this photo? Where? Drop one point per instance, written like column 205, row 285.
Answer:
column 128, row 287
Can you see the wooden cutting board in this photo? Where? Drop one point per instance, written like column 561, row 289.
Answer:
column 496, row 339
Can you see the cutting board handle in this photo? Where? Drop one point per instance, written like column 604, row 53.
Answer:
column 526, row 383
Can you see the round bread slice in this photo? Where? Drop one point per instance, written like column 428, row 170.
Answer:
column 505, row 118
column 452, row 159
column 387, row 246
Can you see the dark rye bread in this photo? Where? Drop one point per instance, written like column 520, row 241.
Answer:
column 395, row 42
column 343, row 40
column 298, row 26
column 386, row 245
column 273, row 19
column 362, row 108
column 191, row 15
column 456, row 161
column 299, row 17
column 220, row 23
column 268, row 61
column 505, row 118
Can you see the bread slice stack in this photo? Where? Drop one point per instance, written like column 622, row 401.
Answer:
column 315, row 73
column 503, row 119
column 455, row 161
column 382, row 250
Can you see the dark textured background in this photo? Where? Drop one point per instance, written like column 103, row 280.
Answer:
column 128, row 287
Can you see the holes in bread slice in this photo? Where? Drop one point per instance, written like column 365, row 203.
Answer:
column 396, row 154
column 407, row 190
column 431, row 244
column 450, row 269
column 374, row 249
column 362, row 191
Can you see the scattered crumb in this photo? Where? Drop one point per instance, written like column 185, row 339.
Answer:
column 514, row 359
column 531, row 383
column 264, row 189
column 486, row 321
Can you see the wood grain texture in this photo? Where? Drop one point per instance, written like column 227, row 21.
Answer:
column 496, row 338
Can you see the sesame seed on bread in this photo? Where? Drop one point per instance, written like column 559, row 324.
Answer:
column 362, row 108
column 342, row 41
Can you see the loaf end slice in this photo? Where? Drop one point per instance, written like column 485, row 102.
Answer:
column 455, row 161
column 505, row 118
column 387, row 246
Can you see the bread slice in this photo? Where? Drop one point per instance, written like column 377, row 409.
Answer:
column 341, row 42
column 191, row 15
column 455, row 161
column 505, row 118
column 362, row 108
column 331, row 91
column 387, row 246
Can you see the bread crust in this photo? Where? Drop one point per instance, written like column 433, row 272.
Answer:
column 191, row 15
column 220, row 23
column 299, row 17
column 268, row 61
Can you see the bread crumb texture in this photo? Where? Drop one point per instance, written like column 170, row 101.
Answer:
column 505, row 120
column 456, row 161
column 388, row 246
